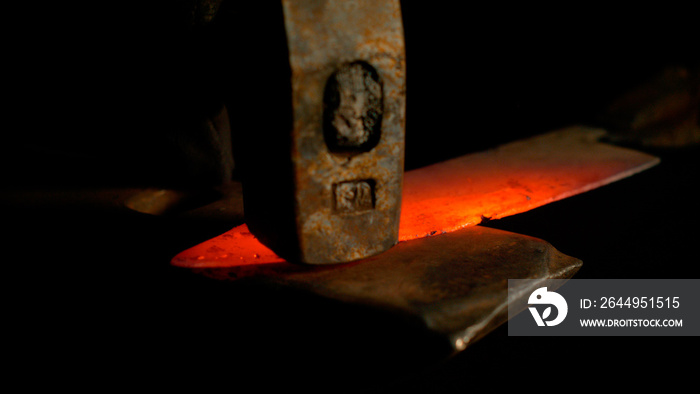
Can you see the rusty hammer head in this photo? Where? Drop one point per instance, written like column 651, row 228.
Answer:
column 329, row 191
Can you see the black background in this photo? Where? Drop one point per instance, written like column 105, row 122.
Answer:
column 91, row 296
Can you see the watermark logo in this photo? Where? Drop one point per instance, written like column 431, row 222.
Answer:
column 543, row 297
column 604, row 307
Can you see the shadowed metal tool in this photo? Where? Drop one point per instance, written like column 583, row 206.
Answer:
column 331, row 190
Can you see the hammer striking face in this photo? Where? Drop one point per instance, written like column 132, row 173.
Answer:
column 338, row 185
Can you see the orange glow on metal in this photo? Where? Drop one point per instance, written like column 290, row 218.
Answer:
column 462, row 192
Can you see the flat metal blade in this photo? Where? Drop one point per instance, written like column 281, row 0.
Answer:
column 465, row 191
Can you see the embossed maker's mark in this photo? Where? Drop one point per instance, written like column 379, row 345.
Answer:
column 353, row 196
column 353, row 109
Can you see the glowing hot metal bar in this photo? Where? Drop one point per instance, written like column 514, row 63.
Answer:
column 462, row 192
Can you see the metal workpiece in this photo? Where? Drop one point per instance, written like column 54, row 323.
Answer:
column 331, row 192
column 441, row 198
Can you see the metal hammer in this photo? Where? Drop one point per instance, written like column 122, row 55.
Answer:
column 329, row 191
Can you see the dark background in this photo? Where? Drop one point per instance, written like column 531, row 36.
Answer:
column 96, row 91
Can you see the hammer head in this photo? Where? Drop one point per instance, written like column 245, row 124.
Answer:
column 329, row 191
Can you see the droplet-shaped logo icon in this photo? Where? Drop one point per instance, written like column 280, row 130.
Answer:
column 543, row 297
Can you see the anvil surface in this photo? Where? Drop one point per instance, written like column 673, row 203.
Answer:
column 453, row 285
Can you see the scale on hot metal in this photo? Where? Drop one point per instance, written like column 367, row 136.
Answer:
column 361, row 232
